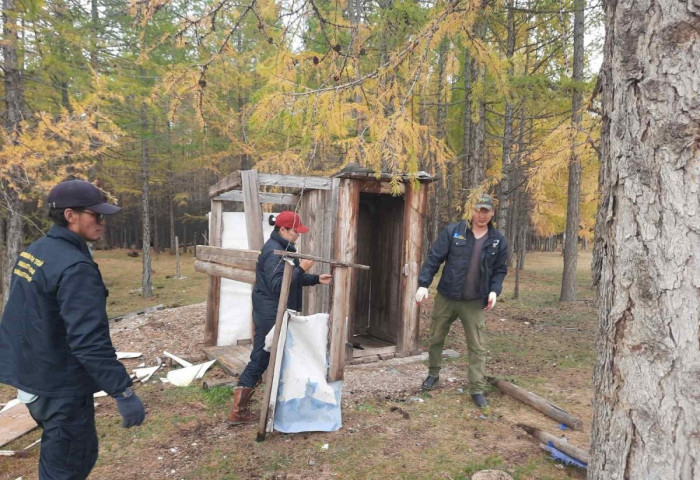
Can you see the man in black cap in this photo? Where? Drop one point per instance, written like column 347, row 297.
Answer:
column 55, row 346
column 475, row 265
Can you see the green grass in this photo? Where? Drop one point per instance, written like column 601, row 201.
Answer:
column 122, row 275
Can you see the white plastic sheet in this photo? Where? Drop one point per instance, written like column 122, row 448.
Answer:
column 306, row 402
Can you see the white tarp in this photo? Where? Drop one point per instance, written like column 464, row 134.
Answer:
column 236, row 307
column 306, row 402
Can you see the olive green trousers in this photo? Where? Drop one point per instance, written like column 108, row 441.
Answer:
column 473, row 317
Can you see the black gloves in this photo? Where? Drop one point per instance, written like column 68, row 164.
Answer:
column 131, row 409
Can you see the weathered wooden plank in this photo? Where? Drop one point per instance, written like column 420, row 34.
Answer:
column 376, row 186
column 537, row 402
column 253, row 209
column 311, row 210
column 357, row 353
column 232, row 358
column 266, row 408
column 335, row 263
column 15, row 422
column 211, row 322
column 218, row 270
column 225, row 184
column 275, row 198
column 237, row 258
column 339, row 321
column 566, row 447
column 414, row 222
column 292, row 181
column 329, row 218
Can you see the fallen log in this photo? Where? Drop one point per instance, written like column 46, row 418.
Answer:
column 558, row 443
column 539, row 403
column 226, row 382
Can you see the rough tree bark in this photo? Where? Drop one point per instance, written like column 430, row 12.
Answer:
column 505, row 185
column 568, row 280
column 14, row 101
column 646, row 421
column 146, row 279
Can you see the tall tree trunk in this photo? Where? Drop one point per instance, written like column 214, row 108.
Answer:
column 441, row 127
column 146, row 280
column 646, row 409
column 505, row 185
column 14, row 102
column 466, row 155
column 568, row 281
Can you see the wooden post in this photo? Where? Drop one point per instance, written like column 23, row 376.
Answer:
column 211, row 325
column 538, row 403
column 177, row 259
column 253, row 209
column 414, row 221
column 558, row 443
column 269, row 373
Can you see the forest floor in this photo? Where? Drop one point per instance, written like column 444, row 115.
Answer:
column 391, row 430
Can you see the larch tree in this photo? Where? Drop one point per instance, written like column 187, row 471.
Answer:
column 646, row 422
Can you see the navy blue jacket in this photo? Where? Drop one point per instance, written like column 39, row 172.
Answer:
column 54, row 334
column 454, row 247
column 268, row 281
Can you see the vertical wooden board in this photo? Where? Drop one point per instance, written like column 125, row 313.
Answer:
column 253, row 209
column 311, row 212
column 413, row 227
column 270, row 372
column 329, row 227
column 345, row 249
column 338, row 330
column 276, row 372
column 211, row 323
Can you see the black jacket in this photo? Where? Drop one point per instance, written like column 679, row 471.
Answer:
column 454, row 247
column 268, row 281
column 54, row 334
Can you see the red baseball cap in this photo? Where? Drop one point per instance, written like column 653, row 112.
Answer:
column 291, row 220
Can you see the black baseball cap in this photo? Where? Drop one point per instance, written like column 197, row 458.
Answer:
column 80, row 194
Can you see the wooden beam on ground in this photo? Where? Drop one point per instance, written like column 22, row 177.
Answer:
column 211, row 323
column 275, row 198
column 334, row 263
column 216, row 270
column 253, row 209
column 237, row 258
column 227, row 183
column 270, row 372
column 291, row 181
column 558, row 443
column 15, row 422
column 539, row 403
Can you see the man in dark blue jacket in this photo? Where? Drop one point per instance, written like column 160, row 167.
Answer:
column 266, row 296
column 475, row 266
column 55, row 346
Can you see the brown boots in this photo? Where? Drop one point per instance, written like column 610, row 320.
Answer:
column 241, row 414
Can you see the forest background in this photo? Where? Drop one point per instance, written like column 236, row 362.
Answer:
column 156, row 100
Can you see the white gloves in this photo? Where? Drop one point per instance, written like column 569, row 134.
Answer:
column 421, row 294
column 492, row 301
column 268, row 339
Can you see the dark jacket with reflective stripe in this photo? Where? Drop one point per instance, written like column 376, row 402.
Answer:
column 454, row 247
column 268, row 281
column 54, row 334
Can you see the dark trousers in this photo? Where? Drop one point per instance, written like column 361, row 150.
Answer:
column 259, row 358
column 69, row 440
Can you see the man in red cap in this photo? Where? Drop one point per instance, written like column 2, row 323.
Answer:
column 266, row 294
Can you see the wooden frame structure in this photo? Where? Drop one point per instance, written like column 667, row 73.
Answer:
column 355, row 218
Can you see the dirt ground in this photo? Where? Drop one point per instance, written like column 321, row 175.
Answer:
column 390, row 428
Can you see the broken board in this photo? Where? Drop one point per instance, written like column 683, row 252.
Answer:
column 15, row 422
column 232, row 358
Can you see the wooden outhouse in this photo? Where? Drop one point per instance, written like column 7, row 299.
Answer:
column 354, row 217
